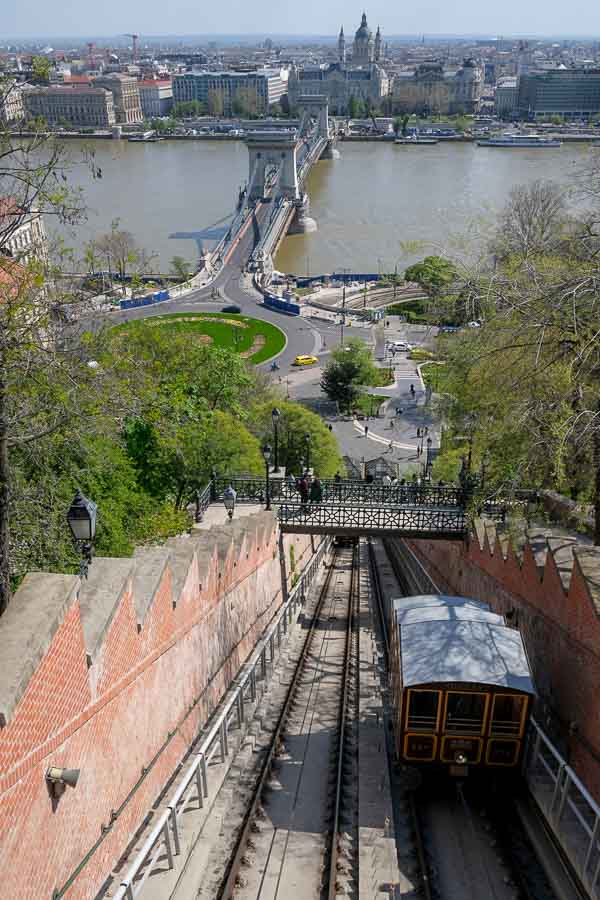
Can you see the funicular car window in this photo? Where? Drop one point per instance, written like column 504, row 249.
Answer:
column 465, row 711
column 422, row 710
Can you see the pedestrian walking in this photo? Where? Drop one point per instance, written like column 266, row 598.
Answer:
column 330, row 427
column 366, row 430
column 316, row 490
column 386, row 480
column 391, row 447
column 337, row 477
column 412, row 391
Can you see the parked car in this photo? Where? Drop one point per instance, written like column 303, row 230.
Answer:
column 232, row 308
column 401, row 346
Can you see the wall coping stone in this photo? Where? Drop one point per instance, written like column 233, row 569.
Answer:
column 150, row 565
column 40, row 604
column 28, row 627
column 568, row 552
column 100, row 597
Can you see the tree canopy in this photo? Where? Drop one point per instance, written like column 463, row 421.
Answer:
column 434, row 274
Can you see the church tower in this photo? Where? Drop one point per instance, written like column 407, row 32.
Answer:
column 378, row 45
column 362, row 52
column 342, row 46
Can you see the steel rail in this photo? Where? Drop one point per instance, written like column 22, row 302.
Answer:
column 353, row 597
column 228, row 884
column 164, row 836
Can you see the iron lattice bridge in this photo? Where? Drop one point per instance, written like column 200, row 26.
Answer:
column 354, row 508
column 443, row 523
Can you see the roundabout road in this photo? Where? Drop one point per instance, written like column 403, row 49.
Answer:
column 304, row 336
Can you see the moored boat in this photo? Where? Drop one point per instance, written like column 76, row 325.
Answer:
column 513, row 141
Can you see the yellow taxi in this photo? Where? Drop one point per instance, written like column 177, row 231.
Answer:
column 305, row 360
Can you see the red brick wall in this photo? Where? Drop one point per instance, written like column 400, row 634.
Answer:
column 561, row 630
column 110, row 720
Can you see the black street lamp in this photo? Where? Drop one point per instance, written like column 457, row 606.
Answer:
column 275, row 415
column 229, row 498
column 267, row 458
column 428, row 463
column 81, row 518
column 307, row 443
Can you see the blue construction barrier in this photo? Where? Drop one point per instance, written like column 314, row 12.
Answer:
column 150, row 300
column 274, row 301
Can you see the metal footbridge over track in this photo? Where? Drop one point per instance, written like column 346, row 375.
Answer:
column 358, row 509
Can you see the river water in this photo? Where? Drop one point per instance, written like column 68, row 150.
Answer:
column 176, row 196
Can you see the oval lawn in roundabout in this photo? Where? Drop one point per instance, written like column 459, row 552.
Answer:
column 253, row 339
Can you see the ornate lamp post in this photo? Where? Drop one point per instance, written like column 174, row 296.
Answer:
column 275, row 416
column 428, row 463
column 267, row 458
column 81, row 518
column 229, row 497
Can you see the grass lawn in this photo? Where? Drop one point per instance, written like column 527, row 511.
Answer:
column 383, row 378
column 257, row 341
column 368, row 404
column 435, row 376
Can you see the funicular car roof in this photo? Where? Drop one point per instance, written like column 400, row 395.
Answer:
column 444, row 640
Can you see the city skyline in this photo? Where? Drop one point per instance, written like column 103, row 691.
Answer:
column 311, row 20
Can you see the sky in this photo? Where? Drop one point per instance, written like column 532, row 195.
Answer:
column 263, row 17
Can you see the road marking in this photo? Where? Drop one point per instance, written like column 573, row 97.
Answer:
column 398, row 445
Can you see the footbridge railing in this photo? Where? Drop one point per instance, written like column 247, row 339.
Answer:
column 355, row 520
column 254, row 490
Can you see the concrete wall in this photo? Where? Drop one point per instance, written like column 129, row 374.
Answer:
column 115, row 677
column 553, row 585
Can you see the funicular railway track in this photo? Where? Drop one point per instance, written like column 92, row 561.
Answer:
column 459, row 839
column 298, row 836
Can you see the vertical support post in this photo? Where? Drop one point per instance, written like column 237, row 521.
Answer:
column 167, row 840
column 223, row 741
column 173, row 818
column 253, row 685
column 263, row 663
column 284, row 581
column 199, row 788
column 204, row 778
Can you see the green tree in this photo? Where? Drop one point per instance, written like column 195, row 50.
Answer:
column 356, row 107
column 41, row 68
column 121, row 252
column 180, row 267
column 295, row 423
column 434, row 274
column 348, row 370
column 216, row 103
column 40, row 369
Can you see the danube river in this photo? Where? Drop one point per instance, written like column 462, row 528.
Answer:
column 175, row 196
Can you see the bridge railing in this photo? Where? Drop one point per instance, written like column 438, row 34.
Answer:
column 352, row 518
column 253, row 490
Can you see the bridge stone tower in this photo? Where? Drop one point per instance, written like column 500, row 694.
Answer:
column 317, row 107
column 271, row 152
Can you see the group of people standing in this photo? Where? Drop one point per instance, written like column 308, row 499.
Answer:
column 308, row 486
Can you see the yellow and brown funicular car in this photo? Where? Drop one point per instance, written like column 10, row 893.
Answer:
column 461, row 684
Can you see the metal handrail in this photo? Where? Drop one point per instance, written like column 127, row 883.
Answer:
column 587, row 863
column 167, row 821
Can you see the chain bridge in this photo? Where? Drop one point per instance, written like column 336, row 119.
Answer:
column 355, row 508
column 274, row 201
